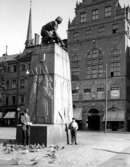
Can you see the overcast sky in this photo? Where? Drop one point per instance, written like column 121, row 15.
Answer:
column 14, row 20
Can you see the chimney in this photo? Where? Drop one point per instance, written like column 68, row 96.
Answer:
column 36, row 40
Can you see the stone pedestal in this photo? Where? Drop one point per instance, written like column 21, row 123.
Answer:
column 49, row 91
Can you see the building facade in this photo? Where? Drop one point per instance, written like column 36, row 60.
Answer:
column 13, row 80
column 98, row 45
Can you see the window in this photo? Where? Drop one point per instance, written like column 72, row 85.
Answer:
column 12, row 68
column 75, row 36
column 101, row 29
column 7, row 84
column 115, row 63
column 115, row 92
column 108, row 11
column 75, row 61
column 83, row 17
column 13, row 100
column 95, row 14
column 22, row 83
column 100, row 93
column 88, row 90
column 23, row 67
column 14, row 83
column 88, row 31
column 100, row 89
column 75, row 76
column 94, row 63
column 21, row 99
column 74, row 91
column 7, row 100
column 9, row 68
column 115, row 28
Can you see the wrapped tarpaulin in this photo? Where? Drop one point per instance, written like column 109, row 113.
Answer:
column 9, row 115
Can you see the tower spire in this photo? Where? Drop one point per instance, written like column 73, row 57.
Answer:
column 29, row 40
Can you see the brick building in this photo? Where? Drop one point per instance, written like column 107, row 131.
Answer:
column 98, row 45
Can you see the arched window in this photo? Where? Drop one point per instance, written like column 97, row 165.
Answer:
column 94, row 64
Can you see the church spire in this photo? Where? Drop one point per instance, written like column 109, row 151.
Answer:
column 29, row 40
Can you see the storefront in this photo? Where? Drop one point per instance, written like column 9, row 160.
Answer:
column 115, row 119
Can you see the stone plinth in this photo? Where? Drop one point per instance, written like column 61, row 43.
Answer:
column 44, row 134
column 49, row 86
column 49, row 95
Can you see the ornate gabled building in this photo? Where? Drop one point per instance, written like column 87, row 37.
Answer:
column 99, row 49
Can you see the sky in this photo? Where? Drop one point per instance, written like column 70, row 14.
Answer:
column 14, row 16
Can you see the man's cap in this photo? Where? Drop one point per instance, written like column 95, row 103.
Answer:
column 59, row 19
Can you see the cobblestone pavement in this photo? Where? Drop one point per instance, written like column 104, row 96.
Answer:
column 94, row 149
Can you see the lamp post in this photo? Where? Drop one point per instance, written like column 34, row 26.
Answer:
column 106, row 98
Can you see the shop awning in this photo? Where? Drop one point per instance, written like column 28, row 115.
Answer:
column 115, row 116
column 9, row 115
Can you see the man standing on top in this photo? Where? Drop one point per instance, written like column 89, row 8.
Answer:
column 49, row 32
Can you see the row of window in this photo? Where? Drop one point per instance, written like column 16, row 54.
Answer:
column 13, row 68
column 12, row 100
column 12, row 84
column 95, row 14
column 89, row 31
column 100, row 93
column 99, row 89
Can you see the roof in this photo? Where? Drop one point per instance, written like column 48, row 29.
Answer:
column 9, row 58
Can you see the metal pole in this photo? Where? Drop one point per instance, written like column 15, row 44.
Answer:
column 37, row 82
column 106, row 99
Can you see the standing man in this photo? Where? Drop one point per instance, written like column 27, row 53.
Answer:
column 25, row 121
column 73, row 126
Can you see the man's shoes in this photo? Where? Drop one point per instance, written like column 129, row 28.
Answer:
column 76, row 143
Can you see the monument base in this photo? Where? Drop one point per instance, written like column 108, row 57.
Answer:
column 47, row 134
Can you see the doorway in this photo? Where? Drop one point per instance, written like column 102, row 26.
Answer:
column 93, row 120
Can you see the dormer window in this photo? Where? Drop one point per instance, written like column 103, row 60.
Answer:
column 108, row 11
